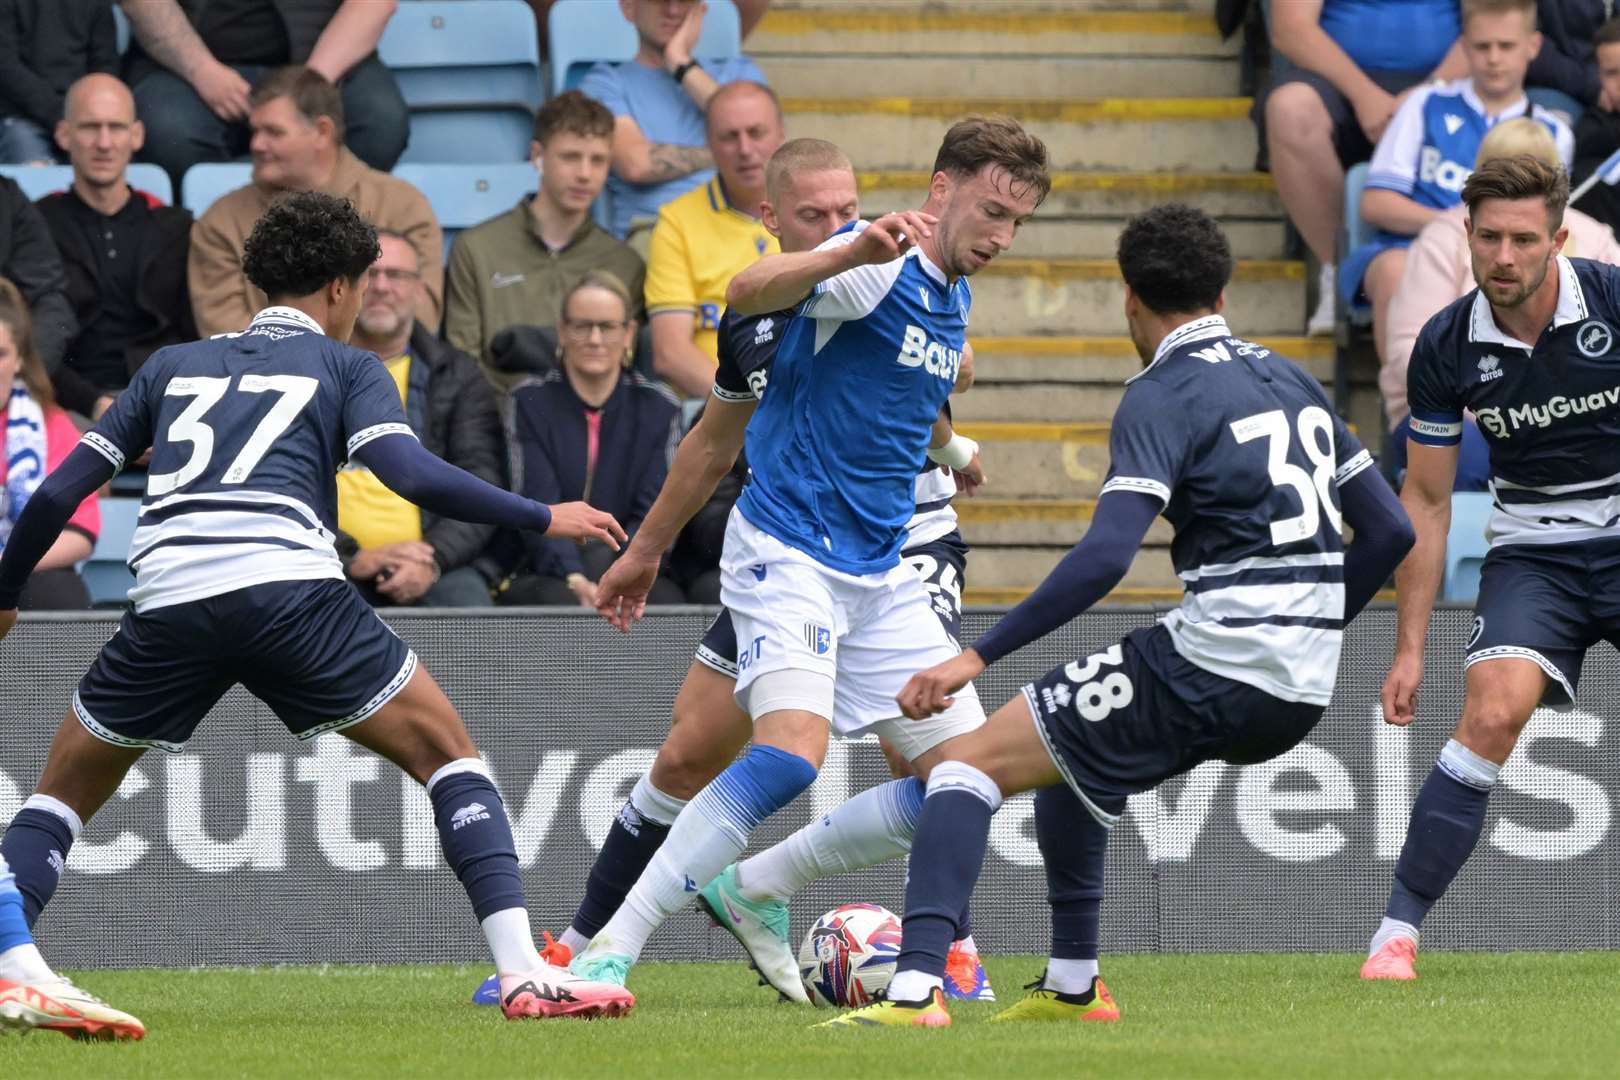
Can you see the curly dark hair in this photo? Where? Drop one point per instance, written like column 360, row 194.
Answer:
column 1175, row 258
column 306, row 240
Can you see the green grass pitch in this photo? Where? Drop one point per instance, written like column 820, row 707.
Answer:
column 1471, row 1015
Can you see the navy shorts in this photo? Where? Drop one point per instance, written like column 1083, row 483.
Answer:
column 1547, row 603
column 1128, row 718
column 942, row 565
column 313, row 651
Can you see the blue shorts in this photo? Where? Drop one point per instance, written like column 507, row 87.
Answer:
column 942, row 565
column 313, row 651
column 1547, row 603
column 1128, row 718
column 1354, row 267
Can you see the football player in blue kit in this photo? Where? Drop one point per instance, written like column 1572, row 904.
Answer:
column 1532, row 354
column 236, row 579
column 1240, row 450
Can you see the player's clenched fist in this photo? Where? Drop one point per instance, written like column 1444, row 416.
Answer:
column 930, row 692
column 582, row 521
column 1400, row 690
column 891, row 236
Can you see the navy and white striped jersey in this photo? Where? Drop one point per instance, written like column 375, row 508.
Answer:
column 1549, row 410
column 1245, row 451
column 247, row 432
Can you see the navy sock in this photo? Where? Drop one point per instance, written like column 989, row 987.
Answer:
column 1074, row 846
column 946, row 856
column 631, row 843
column 477, row 839
column 36, row 846
column 1447, row 818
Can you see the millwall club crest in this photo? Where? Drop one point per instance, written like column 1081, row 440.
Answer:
column 1594, row 338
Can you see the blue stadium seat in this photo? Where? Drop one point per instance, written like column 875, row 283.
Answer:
column 580, row 33
column 204, row 184
column 105, row 575
column 487, row 133
column 1465, row 546
column 1352, row 322
column 37, row 181
column 464, row 195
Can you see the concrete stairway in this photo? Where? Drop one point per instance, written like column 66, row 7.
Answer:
column 1135, row 100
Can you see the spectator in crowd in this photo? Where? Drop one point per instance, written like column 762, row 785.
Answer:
column 1438, row 271
column 1598, row 133
column 30, row 261
column 749, row 13
column 396, row 554
column 513, row 269
column 658, row 100
column 590, row 430
column 38, row 438
column 298, row 145
column 1428, row 150
column 193, row 65
column 123, row 251
column 1563, row 76
column 44, row 46
column 1338, row 70
column 704, row 237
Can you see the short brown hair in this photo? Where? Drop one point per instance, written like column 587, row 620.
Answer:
column 15, row 316
column 979, row 142
column 1607, row 34
column 310, row 92
column 801, row 156
column 573, row 113
column 1527, row 8
column 1522, row 176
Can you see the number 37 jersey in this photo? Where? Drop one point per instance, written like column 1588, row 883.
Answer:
column 1247, row 455
column 247, row 432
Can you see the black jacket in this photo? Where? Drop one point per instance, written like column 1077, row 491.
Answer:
column 640, row 427
column 1597, row 135
column 47, row 44
column 452, row 409
column 28, row 256
column 304, row 20
column 162, row 291
column 1568, row 59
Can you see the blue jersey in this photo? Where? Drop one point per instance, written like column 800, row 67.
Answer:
column 1549, row 410
column 1428, row 150
column 860, row 375
column 1247, row 455
column 247, row 432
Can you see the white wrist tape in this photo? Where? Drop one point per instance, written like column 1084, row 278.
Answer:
column 956, row 453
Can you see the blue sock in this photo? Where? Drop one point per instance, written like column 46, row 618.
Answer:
column 751, row 789
column 946, row 856
column 476, row 836
column 1447, row 818
column 36, row 847
column 1074, row 846
column 13, row 927
column 637, row 832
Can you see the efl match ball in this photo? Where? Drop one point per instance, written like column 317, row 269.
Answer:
column 849, row 955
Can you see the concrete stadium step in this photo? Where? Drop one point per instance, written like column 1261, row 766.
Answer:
column 1023, row 359
column 1112, row 196
column 1087, row 296
column 1051, row 237
column 999, row 522
column 1026, row 567
column 1004, row 76
column 1175, row 134
column 1035, row 459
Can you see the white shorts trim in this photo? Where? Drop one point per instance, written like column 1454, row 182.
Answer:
column 1519, row 652
column 715, row 662
column 1104, row 818
column 378, row 700
column 112, row 737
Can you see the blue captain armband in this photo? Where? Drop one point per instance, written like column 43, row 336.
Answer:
column 1437, row 429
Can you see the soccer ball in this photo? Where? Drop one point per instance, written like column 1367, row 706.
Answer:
column 849, row 955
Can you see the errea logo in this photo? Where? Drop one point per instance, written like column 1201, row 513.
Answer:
column 764, row 331
column 1490, row 367
column 468, row 814
column 931, row 356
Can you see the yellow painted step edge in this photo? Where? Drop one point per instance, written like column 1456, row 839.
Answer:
column 986, row 511
column 1108, row 269
column 1093, row 433
column 843, row 20
column 1097, row 110
column 1300, row 348
column 1158, row 183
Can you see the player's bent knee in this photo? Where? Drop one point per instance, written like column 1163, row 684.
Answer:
column 698, row 747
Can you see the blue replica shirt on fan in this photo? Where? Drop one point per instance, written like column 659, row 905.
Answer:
column 247, row 432
column 1549, row 411
column 861, row 373
column 1247, row 455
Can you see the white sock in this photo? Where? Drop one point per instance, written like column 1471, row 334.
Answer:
column 655, row 805
column 24, row 964
column 873, row 827
column 967, row 943
column 1389, row 930
column 511, row 941
column 1069, row 976
column 913, row 985
column 575, row 940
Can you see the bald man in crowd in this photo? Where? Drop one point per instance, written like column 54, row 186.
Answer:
column 123, row 250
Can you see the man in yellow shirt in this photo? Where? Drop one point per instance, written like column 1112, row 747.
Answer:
column 704, row 237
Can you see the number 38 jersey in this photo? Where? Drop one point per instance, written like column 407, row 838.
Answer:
column 247, row 432
column 1244, row 450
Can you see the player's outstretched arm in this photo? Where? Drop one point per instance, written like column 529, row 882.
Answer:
column 414, row 473
column 781, row 281
column 1426, row 496
column 704, row 457
column 1085, row 575
column 42, row 521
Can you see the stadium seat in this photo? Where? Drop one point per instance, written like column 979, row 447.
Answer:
column 580, row 33
column 1354, row 321
column 487, row 133
column 464, row 195
column 105, row 575
column 204, row 184
column 1465, row 546
column 38, row 181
